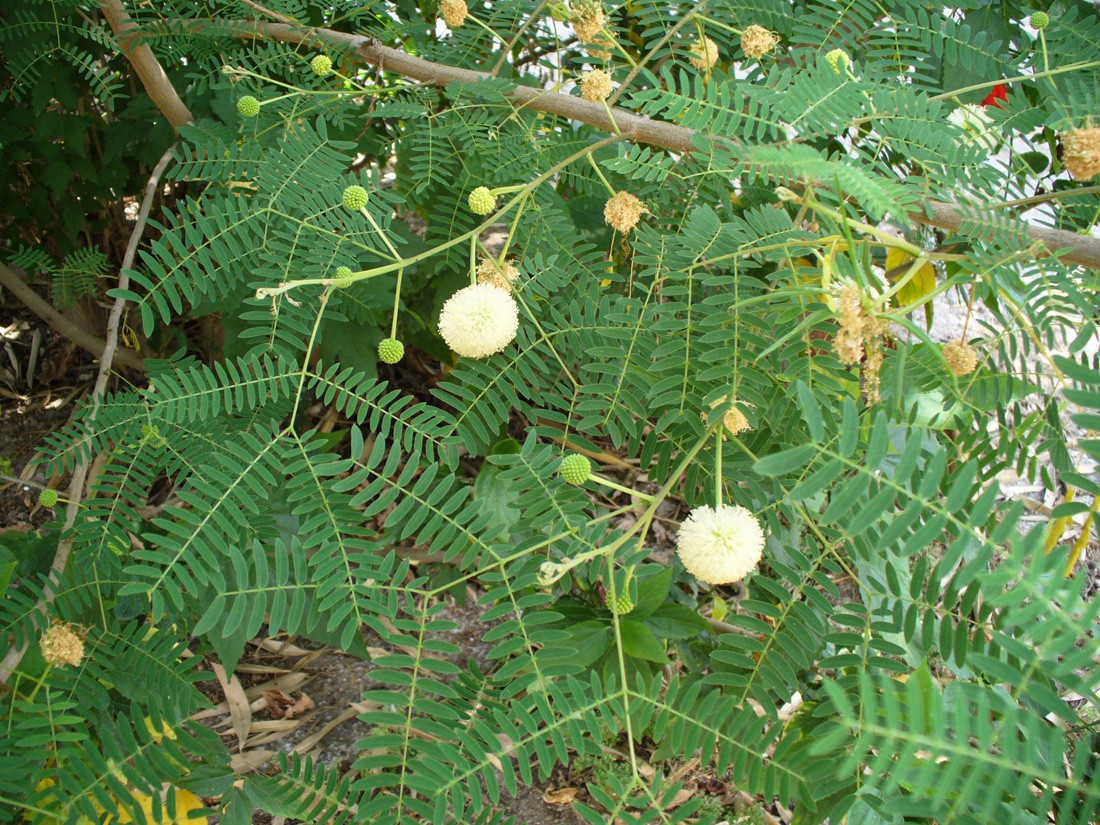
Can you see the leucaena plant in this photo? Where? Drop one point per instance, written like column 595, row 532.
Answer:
column 624, row 321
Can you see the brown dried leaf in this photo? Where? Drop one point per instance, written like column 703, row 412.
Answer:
column 237, row 699
column 301, row 706
column 560, row 796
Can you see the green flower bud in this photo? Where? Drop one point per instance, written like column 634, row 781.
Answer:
column 47, row 498
column 575, row 468
column 623, row 605
column 248, row 106
column 390, row 350
column 839, row 60
column 1040, row 20
column 321, row 65
column 355, row 198
column 482, row 201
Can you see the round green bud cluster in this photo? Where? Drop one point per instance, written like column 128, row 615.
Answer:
column 343, row 272
column 1040, row 20
column 390, row 350
column 321, row 65
column 623, row 605
column 839, row 60
column 248, row 106
column 47, row 498
column 482, row 201
column 355, row 197
column 575, row 468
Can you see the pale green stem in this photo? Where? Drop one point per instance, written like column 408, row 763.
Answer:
column 270, row 292
column 1017, row 79
column 606, row 482
column 512, row 227
column 1046, row 58
column 910, row 273
column 473, row 260
column 378, row 229
column 557, row 356
column 718, row 469
column 396, row 302
column 309, row 351
column 719, row 24
column 599, row 172
column 866, row 228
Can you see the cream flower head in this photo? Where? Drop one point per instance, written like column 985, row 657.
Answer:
column 454, row 12
column 960, row 357
column 623, row 211
column 479, row 320
column 705, row 54
column 588, row 20
column 1081, row 152
column 720, row 546
column 500, row 275
column 756, row 41
column 596, row 85
column 62, row 645
column 735, row 421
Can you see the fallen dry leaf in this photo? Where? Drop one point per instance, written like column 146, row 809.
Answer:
column 561, row 796
column 301, row 706
column 239, row 711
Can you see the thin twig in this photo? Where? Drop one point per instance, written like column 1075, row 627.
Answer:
column 145, row 63
column 10, row 280
column 683, row 21
column 80, row 472
column 1075, row 249
column 274, row 15
column 531, row 18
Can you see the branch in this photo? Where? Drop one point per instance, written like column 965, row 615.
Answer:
column 62, row 325
column 1079, row 249
column 145, row 63
column 80, row 472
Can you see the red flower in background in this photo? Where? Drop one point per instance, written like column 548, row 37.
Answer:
column 999, row 92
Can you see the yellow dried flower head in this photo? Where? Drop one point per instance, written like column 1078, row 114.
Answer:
column 872, row 366
column 734, row 420
column 1081, row 152
column 960, row 357
column 62, row 645
column 595, row 85
column 756, row 41
column 720, row 546
column 623, row 211
column 850, row 307
column 706, row 54
column 861, row 337
column 600, row 49
column 849, row 347
column 453, row 11
column 500, row 275
column 588, row 21
column 849, row 340
column 479, row 320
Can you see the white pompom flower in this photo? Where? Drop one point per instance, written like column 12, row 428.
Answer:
column 479, row 320
column 720, row 546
